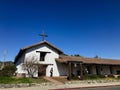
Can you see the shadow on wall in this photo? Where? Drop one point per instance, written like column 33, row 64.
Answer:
column 62, row 69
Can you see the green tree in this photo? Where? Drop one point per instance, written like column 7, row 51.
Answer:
column 77, row 55
column 31, row 66
column 96, row 56
column 8, row 70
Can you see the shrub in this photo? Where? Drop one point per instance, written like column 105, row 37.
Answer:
column 8, row 70
column 87, row 77
column 119, row 77
column 13, row 80
column 111, row 76
column 75, row 78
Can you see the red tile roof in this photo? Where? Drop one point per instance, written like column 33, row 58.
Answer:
column 65, row 59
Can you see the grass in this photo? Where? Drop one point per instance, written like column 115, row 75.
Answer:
column 13, row 80
column 93, row 77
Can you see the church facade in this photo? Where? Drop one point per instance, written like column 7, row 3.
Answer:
column 44, row 53
column 55, row 63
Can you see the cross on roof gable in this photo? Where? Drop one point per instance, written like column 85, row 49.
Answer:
column 43, row 36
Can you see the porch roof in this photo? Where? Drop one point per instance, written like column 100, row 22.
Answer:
column 65, row 59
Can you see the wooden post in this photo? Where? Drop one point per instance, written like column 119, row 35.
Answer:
column 98, row 69
column 81, row 71
column 111, row 70
column 69, row 71
column 100, row 72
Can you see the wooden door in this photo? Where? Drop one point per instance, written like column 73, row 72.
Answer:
column 42, row 70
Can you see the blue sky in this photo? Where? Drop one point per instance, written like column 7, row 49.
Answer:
column 85, row 27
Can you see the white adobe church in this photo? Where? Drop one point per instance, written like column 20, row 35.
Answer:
column 54, row 59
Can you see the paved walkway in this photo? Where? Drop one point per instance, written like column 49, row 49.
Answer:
column 53, row 80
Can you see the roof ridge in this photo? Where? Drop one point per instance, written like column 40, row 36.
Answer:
column 89, row 58
column 42, row 42
column 32, row 45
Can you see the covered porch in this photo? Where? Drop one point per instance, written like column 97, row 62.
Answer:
column 79, row 66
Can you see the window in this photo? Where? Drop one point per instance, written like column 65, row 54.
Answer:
column 42, row 55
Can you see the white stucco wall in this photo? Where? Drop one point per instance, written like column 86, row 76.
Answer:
column 105, row 70
column 93, row 69
column 49, row 58
column 76, row 68
column 19, row 64
column 115, row 69
column 63, row 69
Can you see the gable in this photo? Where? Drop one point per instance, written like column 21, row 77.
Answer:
column 35, row 47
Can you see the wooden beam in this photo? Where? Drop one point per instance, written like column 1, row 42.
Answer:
column 111, row 69
column 69, row 71
column 81, row 71
column 100, row 72
column 43, row 51
column 98, row 69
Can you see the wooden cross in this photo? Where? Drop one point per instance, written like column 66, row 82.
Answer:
column 43, row 36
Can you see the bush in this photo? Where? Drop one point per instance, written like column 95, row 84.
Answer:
column 75, row 78
column 13, row 80
column 87, row 77
column 119, row 77
column 8, row 70
column 111, row 76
